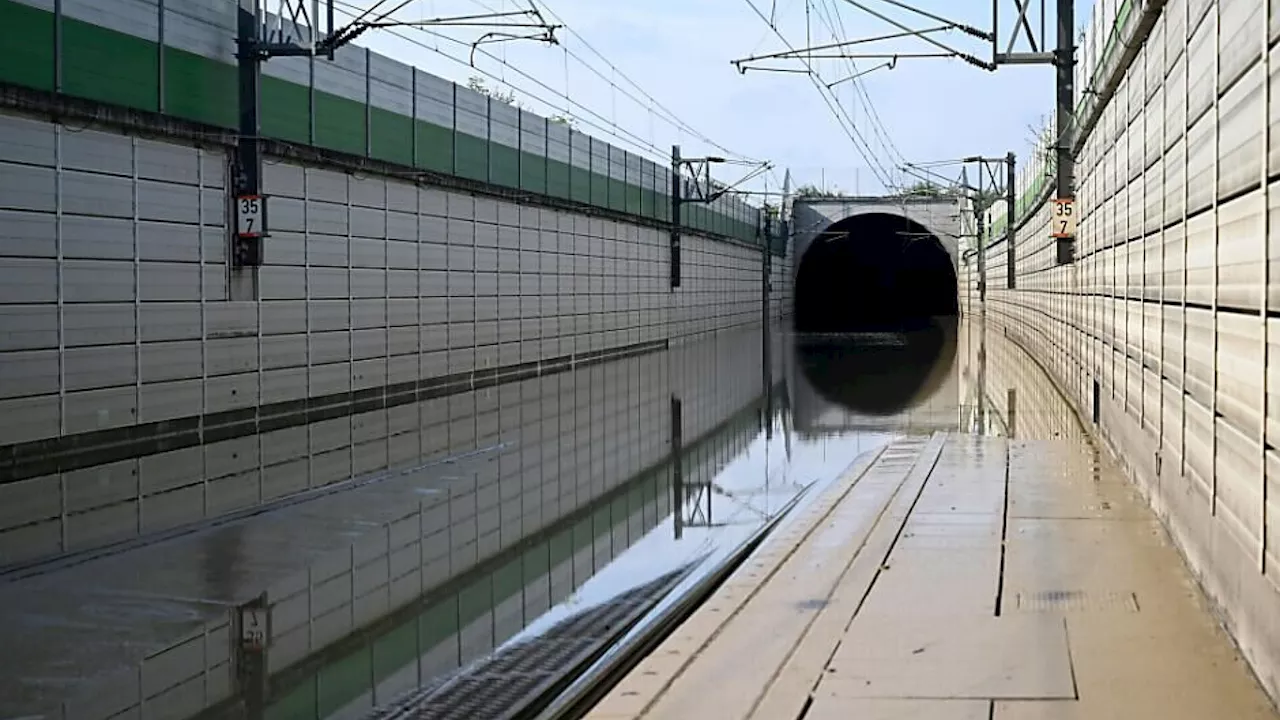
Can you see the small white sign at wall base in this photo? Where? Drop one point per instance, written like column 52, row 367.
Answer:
column 1063, row 222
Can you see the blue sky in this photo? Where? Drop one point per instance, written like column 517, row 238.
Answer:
column 678, row 53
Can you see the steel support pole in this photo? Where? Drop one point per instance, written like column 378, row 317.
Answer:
column 1065, row 117
column 247, row 250
column 982, row 255
column 677, row 472
column 248, row 150
column 766, row 343
column 1011, row 219
column 982, row 372
column 677, row 191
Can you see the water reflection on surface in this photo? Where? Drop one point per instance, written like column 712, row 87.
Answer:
column 879, row 374
column 839, row 396
column 552, row 495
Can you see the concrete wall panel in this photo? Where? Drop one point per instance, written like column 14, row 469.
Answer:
column 1198, row 285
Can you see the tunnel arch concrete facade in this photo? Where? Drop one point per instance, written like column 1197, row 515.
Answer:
column 810, row 218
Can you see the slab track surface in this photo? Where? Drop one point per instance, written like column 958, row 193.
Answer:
column 956, row 577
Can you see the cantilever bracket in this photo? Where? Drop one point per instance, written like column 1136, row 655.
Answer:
column 700, row 168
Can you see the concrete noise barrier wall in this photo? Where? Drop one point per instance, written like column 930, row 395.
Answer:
column 1166, row 320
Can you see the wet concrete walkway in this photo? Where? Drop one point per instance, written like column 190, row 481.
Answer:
column 955, row 577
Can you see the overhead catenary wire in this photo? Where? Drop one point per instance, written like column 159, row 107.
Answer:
column 616, row 132
column 673, row 118
column 877, row 125
column 664, row 113
column 609, row 127
column 877, row 130
column 859, row 142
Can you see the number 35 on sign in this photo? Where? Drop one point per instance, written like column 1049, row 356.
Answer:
column 1063, row 222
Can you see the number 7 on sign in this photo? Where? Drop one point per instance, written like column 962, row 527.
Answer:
column 1063, row 223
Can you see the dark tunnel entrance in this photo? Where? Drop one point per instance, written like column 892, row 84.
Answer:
column 874, row 273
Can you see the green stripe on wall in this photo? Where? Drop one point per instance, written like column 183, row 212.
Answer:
column 533, row 173
column 504, row 165
column 197, row 88
column 109, row 66
column 390, row 136
column 285, row 110
column 28, row 46
column 617, row 195
column 471, row 157
column 599, row 189
column 558, row 179
column 340, row 123
column 580, row 185
column 635, row 202
column 435, row 147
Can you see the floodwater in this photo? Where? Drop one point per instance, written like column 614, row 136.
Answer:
column 835, row 397
column 630, row 478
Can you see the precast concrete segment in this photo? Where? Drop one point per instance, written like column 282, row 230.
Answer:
column 1091, row 614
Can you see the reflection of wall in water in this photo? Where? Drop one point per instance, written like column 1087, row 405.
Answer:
column 573, row 439
column 470, row 615
column 1042, row 412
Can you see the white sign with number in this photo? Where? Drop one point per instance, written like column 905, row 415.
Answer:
column 1063, row 222
column 250, row 215
column 253, row 627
